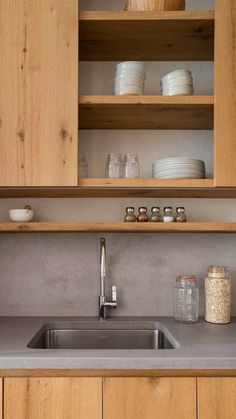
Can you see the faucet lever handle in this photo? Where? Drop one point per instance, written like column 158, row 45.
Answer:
column 114, row 293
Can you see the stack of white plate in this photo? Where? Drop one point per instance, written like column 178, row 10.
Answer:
column 179, row 82
column 178, row 168
column 130, row 78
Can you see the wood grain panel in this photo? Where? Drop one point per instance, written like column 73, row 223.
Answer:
column 150, row 36
column 146, row 112
column 225, row 93
column 150, row 398
column 39, row 92
column 53, row 398
column 216, row 398
column 145, row 183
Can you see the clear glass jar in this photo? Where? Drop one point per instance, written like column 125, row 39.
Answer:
column 180, row 215
column 186, row 299
column 218, row 295
column 130, row 216
column 142, row 215
column 114, row 166
column 83, row 167
column 155, row 216
column 168, row 215
column 131, row 166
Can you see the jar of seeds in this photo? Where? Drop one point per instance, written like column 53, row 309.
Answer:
column 218, row 295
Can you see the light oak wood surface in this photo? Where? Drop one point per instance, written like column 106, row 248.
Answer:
column 225, row 93
column 146, row 112
column 118, row 227
column 53, row 398
column 149, row 398
column 38, row 85
column 216, row 398
column 145, row 183
column 163, row 36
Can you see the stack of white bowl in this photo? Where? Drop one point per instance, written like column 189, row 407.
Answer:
column 178, row 168
column 179, row 82
column 130, row 78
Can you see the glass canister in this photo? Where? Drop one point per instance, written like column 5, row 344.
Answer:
column 186, row 299
column 114, row 166
column 131, row 166
column 83, row 167
column 218, row 295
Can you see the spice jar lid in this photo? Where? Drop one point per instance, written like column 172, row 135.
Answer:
column 187, row 277
column 142, row 209
column 130, row 209
column 156, row 209
column 180, row 209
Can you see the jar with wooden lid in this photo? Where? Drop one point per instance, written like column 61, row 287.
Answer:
column 218, row 295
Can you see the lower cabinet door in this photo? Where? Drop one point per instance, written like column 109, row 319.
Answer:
column 53, row 398
column 216, row 398
column 150, row 398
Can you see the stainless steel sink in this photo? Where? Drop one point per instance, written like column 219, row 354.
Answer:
column 103, row 335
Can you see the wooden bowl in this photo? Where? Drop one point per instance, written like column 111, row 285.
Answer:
column 154, row 5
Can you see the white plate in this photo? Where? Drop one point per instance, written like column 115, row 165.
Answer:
column 180, row 176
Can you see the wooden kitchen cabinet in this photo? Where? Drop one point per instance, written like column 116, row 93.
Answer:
column 217, row 398
column 39, row 92
column 53, row 398
column 150, row 398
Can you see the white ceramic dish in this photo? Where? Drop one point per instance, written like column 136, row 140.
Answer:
column 182, row 79
column 180, row 176
column 177, row 73
column 132, row 64
column 21, row 215
column 178, row 90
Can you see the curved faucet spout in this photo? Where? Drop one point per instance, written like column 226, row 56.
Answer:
column 103, row 303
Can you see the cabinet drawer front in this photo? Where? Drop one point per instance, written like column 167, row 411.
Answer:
column 150, row 398
column 53, row 398
column 217, row 398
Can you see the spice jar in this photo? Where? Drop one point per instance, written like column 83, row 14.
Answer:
column 168, row 215
column 181, row 216
column 218, row 295
column 155, row 216
column 142, row 215
column 186, row 299
column 130, row 216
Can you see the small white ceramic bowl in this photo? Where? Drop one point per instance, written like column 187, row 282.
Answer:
column 178, row 90
column 177, row 81
column 21, row 215
column 176, row 73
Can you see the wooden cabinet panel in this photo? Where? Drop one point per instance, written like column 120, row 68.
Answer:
column 216, row 398
column 150, row 398
column 39, row 92
column 53, row 398
column 225, row 93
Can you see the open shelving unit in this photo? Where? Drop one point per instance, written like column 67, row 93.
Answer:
column 146, row 36
column 116, row 227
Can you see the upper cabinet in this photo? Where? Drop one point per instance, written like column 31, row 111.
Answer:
column 39, row 92
column 225, row 94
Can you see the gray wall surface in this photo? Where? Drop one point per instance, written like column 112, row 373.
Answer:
column 58, row 274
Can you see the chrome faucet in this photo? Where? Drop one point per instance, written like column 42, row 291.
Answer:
column 103, row 303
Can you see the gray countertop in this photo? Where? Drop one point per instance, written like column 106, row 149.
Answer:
column 200, row 346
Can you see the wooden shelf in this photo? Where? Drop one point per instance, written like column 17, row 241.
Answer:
column 145, row 183
column 163, row 36
column 63, row 227
column 146, row 112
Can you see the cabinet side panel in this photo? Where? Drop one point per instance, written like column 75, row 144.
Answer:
column 39, row 92
column 225, row 93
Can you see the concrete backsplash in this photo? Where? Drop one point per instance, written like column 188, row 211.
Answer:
column 58, row 274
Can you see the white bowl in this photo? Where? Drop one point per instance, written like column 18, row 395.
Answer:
column 139, row 65
column 21, row 215
column 176, row 73
column 178, row 81
column 178, row 90
column 128, row 90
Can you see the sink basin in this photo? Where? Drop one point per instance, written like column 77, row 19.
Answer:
column 103, row 335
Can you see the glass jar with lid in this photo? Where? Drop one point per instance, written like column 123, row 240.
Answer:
column 142, row 215
column 83, row 166
column 168, row 216
column 131, row 166
column 155, row 216
column 218, row 295
column 114, row 166
column 130, row 216
column 186, row 299
column 180, row 215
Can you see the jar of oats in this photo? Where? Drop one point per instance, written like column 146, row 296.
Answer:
column 218, row 295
